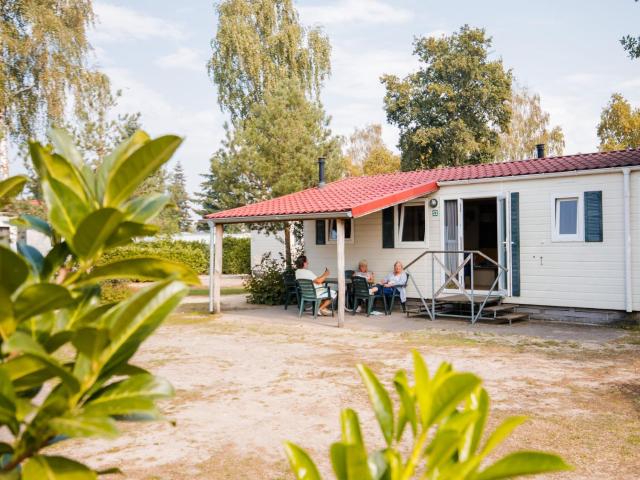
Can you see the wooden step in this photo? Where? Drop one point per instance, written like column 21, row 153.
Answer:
column 499, row 308
column 512, row 317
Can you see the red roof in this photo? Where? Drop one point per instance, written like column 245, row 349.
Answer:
column 358, row 196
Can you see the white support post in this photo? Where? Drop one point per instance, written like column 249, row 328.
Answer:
column 212, row 237
column 217, row 270
column 341, row 279
column 626, row 213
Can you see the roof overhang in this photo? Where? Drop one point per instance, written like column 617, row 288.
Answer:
column 394, row 199
column 279, row 218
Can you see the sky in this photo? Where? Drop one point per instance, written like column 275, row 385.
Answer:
column 568, row 51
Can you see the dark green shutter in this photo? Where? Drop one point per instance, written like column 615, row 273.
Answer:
column 515, row 244
column 387, row 228
column 593, row 216
column 321, row 233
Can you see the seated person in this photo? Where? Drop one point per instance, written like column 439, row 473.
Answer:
column 364, row 272
column 393, row 280
column 303, row 272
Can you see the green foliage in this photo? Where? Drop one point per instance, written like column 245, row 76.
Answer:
column 235, row 260
column 180, row 198
column 619, row 126
column 529, row 126
column 53, row 329
column 260, row 43
column 452, row 110
column 366, row 153
column 272, row 153
column 631, row 45
column 446, row 414
column 265, row 285
column 113, row 291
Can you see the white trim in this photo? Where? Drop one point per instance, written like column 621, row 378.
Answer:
column 327, row 231
column 626, row 188
column 399, row 224
column 556, row 236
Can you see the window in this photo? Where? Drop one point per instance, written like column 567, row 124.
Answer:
column 332, row 231
column 567, row 218
column 412, row 224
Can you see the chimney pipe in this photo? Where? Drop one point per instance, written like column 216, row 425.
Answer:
column 321, row 172
column 540, row 150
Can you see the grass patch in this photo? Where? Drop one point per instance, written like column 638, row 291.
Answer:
column 203, row 292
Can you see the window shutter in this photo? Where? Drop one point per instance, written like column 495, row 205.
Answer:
column 593, row 216
column 387, row 228
column 515, row 244
column 321, row 233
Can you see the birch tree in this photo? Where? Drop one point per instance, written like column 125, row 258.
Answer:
column 43, row 57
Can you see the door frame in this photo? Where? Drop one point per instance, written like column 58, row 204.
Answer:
column 497, row 194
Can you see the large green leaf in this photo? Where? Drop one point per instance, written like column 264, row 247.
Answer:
column 129, row 172
column 133, row 320
column 84, row 426
column 92, row 234
column 33, row 256
column 7, row 402
column 56, row 167
column 423, row 387
column 13, row 270
column 127, row 231
column 143, row 209
column 143, row 268
column 501, row 433
column 20, row 342
column 407, row 411
column 301, row 464
column 34, row 223
column 135, row 395
column 54, row 260
column 122, row 151
column 44, row 467
column 11, row 187
column 523, row 463
column 380, row 402
column 40, row 298
column 65, row 146
column 66, row 208
column 450, row 392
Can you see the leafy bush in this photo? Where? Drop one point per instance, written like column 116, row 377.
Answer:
column 53, row 329
column 193, row 254
column 235, row 260
column 265, row 285
column 236, row 257
column 113, row 291
column 446, row 415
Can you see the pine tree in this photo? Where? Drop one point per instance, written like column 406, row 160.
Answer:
column 180, row 198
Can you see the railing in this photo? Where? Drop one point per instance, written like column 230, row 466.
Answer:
column 451, row 276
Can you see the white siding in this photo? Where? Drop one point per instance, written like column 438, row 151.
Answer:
column 569, row 274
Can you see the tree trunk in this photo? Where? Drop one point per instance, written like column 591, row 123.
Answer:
column 287, row 244
column 4, row 151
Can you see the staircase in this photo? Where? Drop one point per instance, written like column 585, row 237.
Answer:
column 502, row 313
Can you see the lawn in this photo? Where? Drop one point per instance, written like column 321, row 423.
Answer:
column 247, row 380
column 203, row 292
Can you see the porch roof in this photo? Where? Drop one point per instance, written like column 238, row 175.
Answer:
column 359, row 196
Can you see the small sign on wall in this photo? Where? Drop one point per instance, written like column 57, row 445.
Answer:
column 434, row 213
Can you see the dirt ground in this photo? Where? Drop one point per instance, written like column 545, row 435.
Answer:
column 249, row 379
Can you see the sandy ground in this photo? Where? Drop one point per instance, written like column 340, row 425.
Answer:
column 249, row 379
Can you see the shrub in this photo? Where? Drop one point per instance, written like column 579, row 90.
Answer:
column 446, row 415
column 236, row 255
column 113, row 291
column 265, row 285
column 65, row 361
column 236, row 258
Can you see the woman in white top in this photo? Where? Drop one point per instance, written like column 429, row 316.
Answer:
column 397, row 279
column 302, row 271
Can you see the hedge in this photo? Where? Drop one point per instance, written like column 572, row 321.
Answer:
column 236, row 258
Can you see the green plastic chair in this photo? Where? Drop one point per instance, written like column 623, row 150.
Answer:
column 290, row 289
column 308, row 294
column 361, row 292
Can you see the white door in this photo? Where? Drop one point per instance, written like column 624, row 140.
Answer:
column 504, row 245
column 452, row 238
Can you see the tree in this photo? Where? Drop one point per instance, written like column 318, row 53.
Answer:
column 366, row 153
column 453, row 109
column 529, row 126
column 180, row 198
column 260, row 43
column 631, row 45
column 272, row 152
column 43, row 58
column 66, row 368
column 619, row 126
